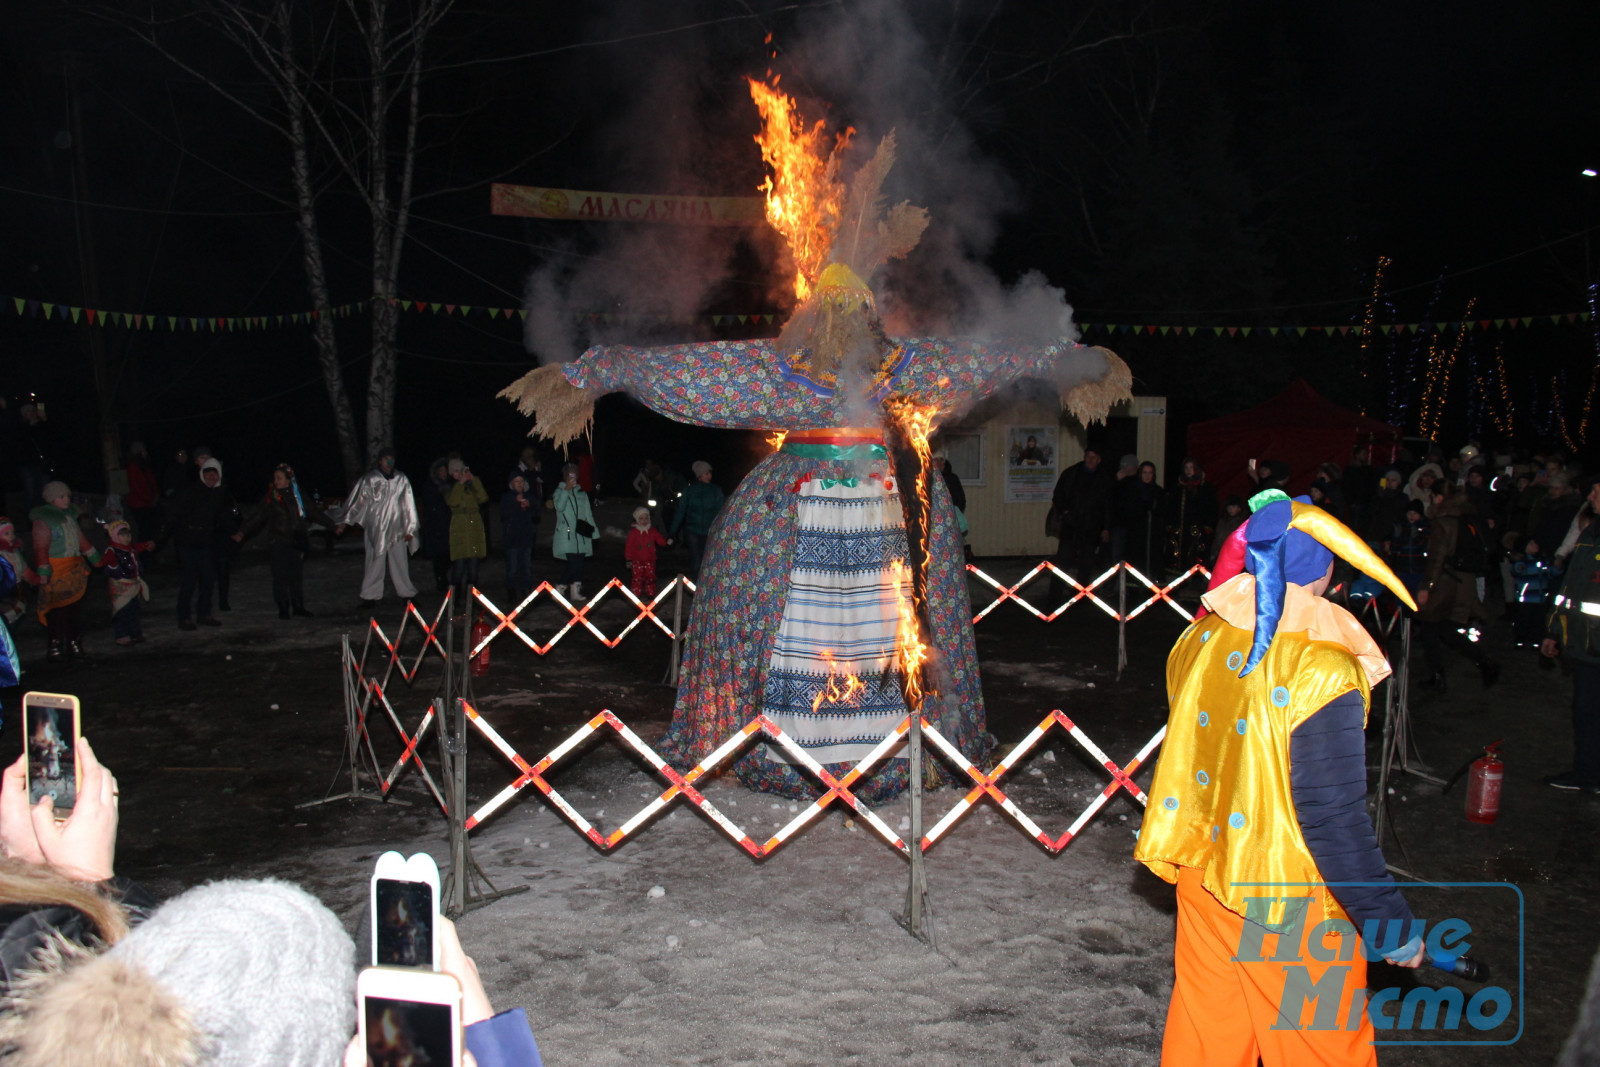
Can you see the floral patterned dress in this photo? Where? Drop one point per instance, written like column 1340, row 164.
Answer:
column 801, row 514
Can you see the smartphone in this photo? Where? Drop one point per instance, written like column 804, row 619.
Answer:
column 405, row 911
column 407, row 1016
column 50, row 757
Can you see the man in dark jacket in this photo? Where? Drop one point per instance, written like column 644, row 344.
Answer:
column 1574, row 631
column 198, row 511
column 1448, row 604
column 1082, row 503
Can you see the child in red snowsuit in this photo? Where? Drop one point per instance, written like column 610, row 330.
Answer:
column 640, row 552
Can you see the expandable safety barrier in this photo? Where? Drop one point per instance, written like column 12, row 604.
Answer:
column 369, row 693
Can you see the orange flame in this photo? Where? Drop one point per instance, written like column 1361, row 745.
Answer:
column 776, row 438
column 835, row 692
column 914, row 423
column 805, row 197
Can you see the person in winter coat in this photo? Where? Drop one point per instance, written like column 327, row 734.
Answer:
column 519, row 525
column 224, row 541
column 640, row 552
column 1136, row 511
column 125, row 583
column 696, row 511
column 436, row 522
column 285, row 516
column 144, row 492
column 573, row 540
column 468, row 545
column 195, row 515
column 1191, row 517
column 382, row 505
column 1573, row 632
column 62, row 557
column 1082, row 503
column 13, row 603
column 1448, row 603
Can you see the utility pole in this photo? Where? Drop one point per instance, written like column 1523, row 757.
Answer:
column 89, row 273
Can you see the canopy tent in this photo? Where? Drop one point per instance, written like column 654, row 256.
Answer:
column 1298, row 425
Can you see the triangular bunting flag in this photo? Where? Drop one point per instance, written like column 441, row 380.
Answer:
column 523, row 313
column 1273, row 330
column 48, row 308
column 91, row 312
column 1572, row 316
column 1554, row 319
column 1216, row 331
column 1164, row 330
column 1151, row 330
column 768, row 318
column 1246, row 330
column 1301, row 330
column 419, row 304
column 449, row 309
column 1343, row 330
column 435, row 308
column 1498, row 323
column 75, row 313
column 21, row 302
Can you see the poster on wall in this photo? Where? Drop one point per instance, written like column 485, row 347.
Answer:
column 1030, row 463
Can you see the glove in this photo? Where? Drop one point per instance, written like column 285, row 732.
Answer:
column 43, row 571
column 94, row 558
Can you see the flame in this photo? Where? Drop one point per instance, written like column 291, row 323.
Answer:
column 835, row 692
column 776, row 438
column 805, row 197
column 909, row 649
column 914, row 423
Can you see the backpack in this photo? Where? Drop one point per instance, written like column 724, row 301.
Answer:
column 1473, row 550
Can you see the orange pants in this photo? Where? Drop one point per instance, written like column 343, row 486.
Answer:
column 1223, row 1009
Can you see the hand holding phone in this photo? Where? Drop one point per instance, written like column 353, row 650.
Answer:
column 50, row 726
column 408, row 1016
column 83, row 845
column 405, row 911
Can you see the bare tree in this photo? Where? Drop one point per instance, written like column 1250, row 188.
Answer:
column 349, row 117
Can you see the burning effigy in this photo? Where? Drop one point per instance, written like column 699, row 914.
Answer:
column 816, row 607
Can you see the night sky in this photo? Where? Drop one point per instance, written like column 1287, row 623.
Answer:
column 1245, row 164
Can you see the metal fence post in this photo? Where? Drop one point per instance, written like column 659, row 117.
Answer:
column 1122, row 619
column 675, row 655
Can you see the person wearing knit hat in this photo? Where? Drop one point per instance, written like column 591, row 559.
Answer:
column 1262, row 780
column 125, row 582
column 697, row 509
column 196, row 514
column 63, row 555
column 229, row 974
column 12, row 603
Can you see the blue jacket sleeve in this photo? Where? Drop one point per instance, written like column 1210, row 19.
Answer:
column 504, row 1041
column 1328, row 775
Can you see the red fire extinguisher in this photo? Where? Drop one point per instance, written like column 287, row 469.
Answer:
column 480, row 632
column 1483, row 785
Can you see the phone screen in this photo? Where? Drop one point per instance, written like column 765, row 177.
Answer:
column 405, row 923
column 405, row 1032
column 52, row 761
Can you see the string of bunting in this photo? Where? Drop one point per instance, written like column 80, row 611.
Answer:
column 28, row 307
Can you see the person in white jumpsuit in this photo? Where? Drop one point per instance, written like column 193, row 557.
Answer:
column 382, row 505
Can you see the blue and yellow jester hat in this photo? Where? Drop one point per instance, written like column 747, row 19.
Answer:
column 1293, row 541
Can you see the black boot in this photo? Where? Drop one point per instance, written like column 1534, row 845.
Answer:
column 283, row 609
column 55, row 654
column 1490, row 671
column 75, row 650
column 300, row 607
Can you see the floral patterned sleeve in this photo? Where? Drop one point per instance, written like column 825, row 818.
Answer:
column 730, row 384
column 954, row 373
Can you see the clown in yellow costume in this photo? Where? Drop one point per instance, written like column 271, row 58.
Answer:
column 1258, row 802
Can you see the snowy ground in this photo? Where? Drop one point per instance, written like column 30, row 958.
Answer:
column 797, row 958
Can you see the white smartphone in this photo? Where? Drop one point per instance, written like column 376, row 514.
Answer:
column 405, row 911
column 50, row 723
column 409, row 1016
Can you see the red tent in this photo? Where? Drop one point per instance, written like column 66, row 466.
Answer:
column 1297, row 425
